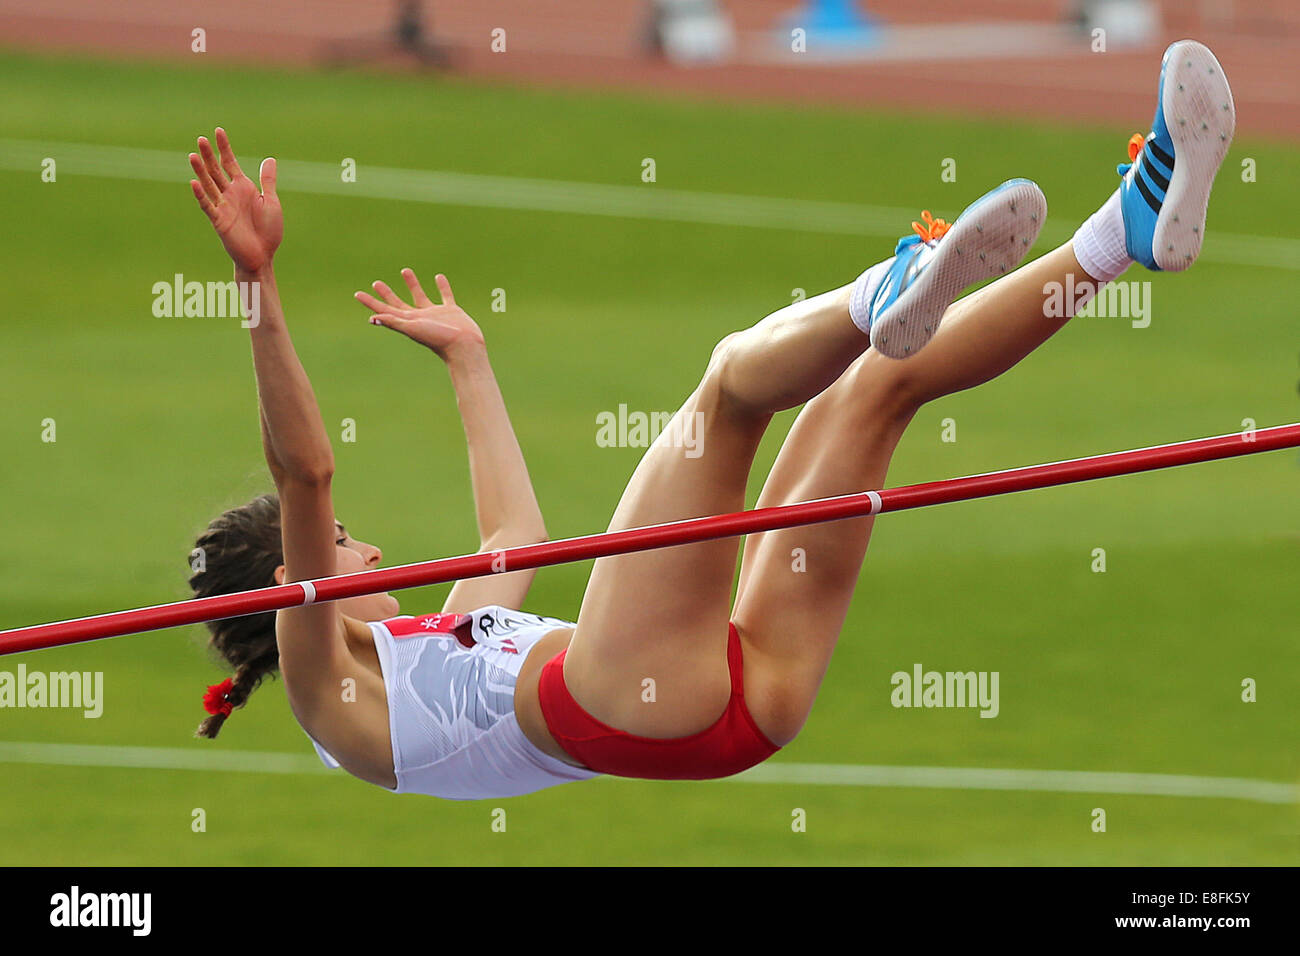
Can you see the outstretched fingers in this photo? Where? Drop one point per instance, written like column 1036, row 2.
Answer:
column 388, row 295
column 204, row 202
column 228, row 162
column 413, row 284
column 444, row 289
column 204, row 178
column 390, row 311
column 371, row 303
column 267, row 177
column 383, row 314
column 210, row 164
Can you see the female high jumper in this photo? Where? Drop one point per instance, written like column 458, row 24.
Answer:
column 663, row 675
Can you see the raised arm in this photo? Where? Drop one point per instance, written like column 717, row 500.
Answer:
column 504, row 501
column 250, row 224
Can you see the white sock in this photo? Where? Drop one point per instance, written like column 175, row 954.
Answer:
column 864, row 289
column 1099, row 242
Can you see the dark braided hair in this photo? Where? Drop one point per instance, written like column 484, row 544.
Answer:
column 238, row 551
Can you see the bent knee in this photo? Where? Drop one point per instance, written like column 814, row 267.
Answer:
column 722, row 351
column 721, row 381
column 780, row 703
column 722, row 361
column 781, row 723
column 893, row 389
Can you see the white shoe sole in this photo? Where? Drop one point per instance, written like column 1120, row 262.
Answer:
column 990, row 238
column 1201, row 118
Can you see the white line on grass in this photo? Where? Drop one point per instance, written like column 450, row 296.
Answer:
column 844, row 775
column 158, row 758
column 1055, row 781
column 560, row 196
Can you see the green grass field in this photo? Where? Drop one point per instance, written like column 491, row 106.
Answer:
column 1137, row 669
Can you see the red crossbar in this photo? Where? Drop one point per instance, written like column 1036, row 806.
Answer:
column 668, row 535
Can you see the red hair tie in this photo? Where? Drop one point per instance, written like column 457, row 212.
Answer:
column 214, row 701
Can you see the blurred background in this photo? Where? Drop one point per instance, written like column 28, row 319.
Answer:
column 1010, row 57
column 612, row 187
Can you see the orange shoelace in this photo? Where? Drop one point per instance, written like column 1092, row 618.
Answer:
column 1135, row 143
column 932, row 229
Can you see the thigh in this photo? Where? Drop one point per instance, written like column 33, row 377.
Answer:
column 797, row 583
column 648, row 654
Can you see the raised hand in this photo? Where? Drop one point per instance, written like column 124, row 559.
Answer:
column 438, row 327
column 248, row 221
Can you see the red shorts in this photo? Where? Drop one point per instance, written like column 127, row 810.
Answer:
column 734, row 742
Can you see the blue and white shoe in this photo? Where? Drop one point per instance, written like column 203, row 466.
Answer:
column 1166, row 187
column 939, row 262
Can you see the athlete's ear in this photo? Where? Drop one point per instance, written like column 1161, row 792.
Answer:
column 279, row 574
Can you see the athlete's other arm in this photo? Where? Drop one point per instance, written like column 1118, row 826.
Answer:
column 504, row 501
column 250, row 225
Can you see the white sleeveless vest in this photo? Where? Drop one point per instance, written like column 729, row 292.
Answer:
column 450, row 680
